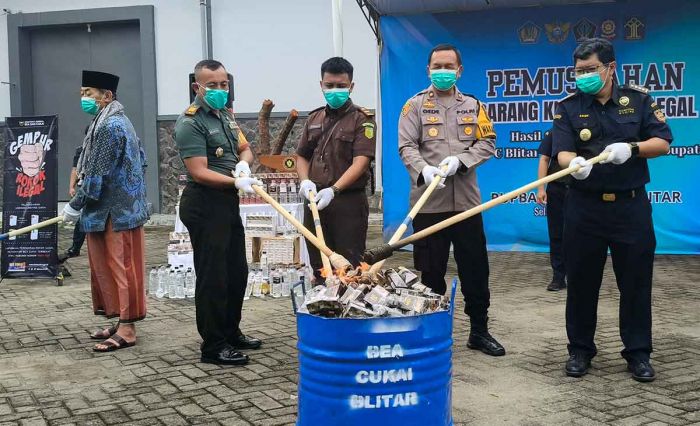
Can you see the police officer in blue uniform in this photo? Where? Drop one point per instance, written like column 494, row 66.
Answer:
column 607, row 205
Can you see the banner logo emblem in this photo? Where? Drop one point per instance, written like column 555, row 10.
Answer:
column 557, row 32
column 634, row 29
column 584, row 29
column 529, row 33
column 607, row 29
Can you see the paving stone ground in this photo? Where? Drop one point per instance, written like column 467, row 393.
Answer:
column 49, row 374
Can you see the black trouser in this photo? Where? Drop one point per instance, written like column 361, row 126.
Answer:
column 344, row 224
column 625, row 227
column 218, row 239
column 430, row 256
column 78, row 238
column 556, row 193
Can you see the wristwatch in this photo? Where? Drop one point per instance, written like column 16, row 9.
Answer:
column 336, row 190
column 634, row 147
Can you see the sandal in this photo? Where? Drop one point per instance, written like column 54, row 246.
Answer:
column 114, row 343
column 100, row 334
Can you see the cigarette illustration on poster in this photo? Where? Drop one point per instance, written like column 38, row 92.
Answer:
column 30, row 196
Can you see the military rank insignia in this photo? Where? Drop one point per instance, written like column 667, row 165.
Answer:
column 432, row 132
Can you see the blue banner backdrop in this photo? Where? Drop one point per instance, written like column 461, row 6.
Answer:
column 519, row 62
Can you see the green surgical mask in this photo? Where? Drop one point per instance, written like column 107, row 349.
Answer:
column 336, row 97
column 89, row 105
column 590, row 83
column 215, row 98
column 443, row 79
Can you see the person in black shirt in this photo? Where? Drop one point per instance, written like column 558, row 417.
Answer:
column 553, row 198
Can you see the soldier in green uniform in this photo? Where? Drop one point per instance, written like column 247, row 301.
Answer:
column 214, row 150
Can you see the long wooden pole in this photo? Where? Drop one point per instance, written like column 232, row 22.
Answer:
column 30, row 228
column 385, row 251
column 410, row 216
column 319, row 233
column 338, row 261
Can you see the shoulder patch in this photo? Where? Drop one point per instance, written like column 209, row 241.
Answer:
column 317, row 110
column 571, row 96
column 406, row 108
column 637, row 88
column 366, row 112
column 192, row 110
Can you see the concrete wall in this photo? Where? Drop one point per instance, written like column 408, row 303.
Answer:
column 274, row 48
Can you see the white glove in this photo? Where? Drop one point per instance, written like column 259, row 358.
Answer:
column 585, row 169
column 619, row 153
column 324, row 198
column 452, row 164
column 429, row 172
column 70, row 214
column 242, row 169
column 246, row 184
column 306, row 187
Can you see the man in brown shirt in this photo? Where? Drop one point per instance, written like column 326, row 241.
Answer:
column 441, row 126
column 335, row 151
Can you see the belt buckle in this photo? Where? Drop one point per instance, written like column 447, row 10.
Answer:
column 609, row 197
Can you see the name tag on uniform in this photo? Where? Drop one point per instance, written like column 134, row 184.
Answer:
column 214, row 131
column 314, row 126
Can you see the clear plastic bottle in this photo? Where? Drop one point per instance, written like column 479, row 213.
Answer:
column 293, row 198
column 249, row 285
column 162, row 289
column 275, row 284
column 172, row 284
column 257, row 284
column 286, row 282
column 153, row 281
column 273, row 190
column 179, row 284
column 283, row 192
column 189, row 283
column 265, row 285
column 264, row 267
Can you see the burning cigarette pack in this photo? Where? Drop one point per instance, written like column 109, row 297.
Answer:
column 359, row 293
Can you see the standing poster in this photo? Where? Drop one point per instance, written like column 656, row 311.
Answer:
column 30, row 194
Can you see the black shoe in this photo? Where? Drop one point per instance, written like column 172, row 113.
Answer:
column 68, row 254
column 556, row 285
column 484, row 342
column 227, row 356
column 642, row 371
column 245, row 342
column 577, row 365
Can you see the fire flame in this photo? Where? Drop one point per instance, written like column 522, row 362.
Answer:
column 346, row 275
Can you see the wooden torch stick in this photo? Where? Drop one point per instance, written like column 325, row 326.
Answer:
column 338, row 261
column 319, row 233
column 382, row 252
column 410, row 216
column 30, row 228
